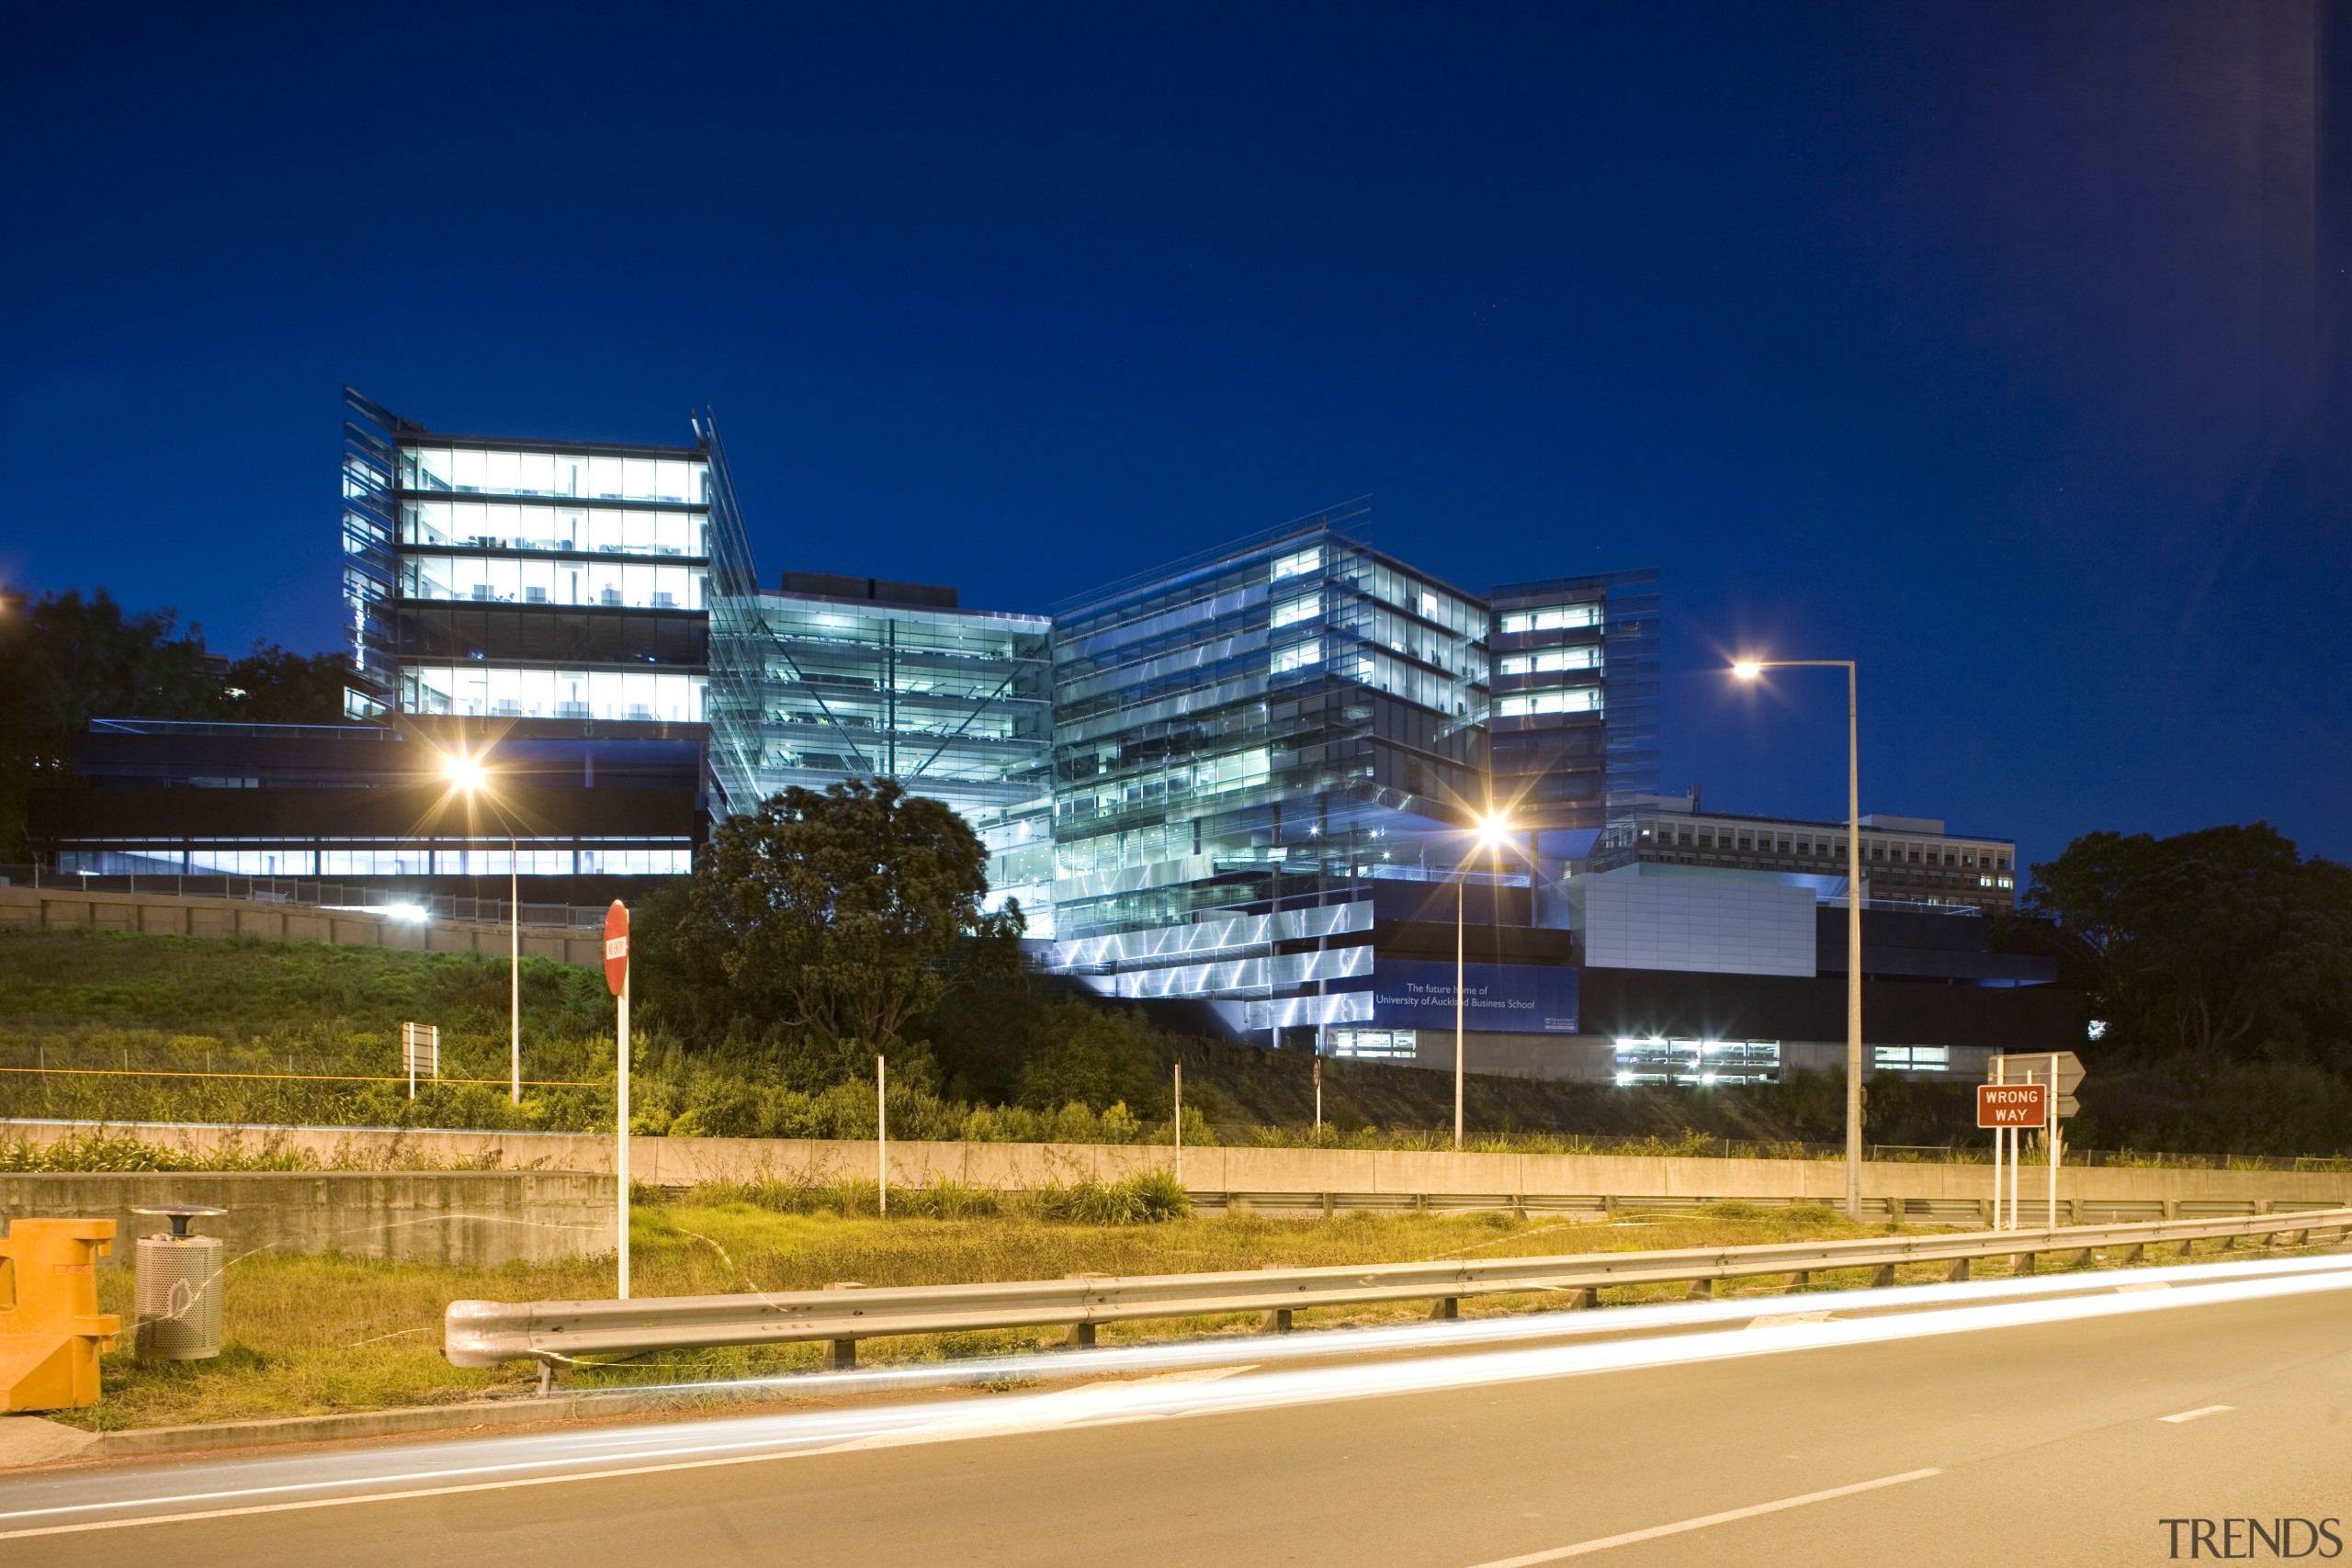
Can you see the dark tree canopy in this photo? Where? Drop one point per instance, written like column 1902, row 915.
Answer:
column 841, row 912
column 2211, row 945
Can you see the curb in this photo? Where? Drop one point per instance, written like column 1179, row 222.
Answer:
column 148, row 1441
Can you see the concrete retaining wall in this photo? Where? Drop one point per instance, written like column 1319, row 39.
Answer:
column 473, row 1217
column 167, row 914
column 1016, row 1166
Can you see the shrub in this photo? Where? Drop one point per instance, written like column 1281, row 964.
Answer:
column 1147, row 1198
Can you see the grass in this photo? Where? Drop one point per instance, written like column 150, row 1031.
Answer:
column 312, row 1334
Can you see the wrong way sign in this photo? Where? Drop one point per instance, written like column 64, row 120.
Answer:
column 2012, row 1105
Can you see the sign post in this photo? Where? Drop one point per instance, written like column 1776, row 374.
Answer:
column 420, row 1051
column 617, row 979
column 2060, row 1073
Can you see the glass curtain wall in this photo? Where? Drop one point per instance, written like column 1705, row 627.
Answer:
column 1258, row 731
column 953, row 704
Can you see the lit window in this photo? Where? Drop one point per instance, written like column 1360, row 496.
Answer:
column 1573, row 699
column 1911, row 1058
column 1297, row 657
column 1375, row 1042
column 1299, row 564
column 1295, row 610
column 1555, row 617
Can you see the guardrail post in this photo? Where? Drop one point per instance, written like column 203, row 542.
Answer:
column 1275, row 1322
column 1328, row 1204
column 2132, row 1254
column 1802, row 1279
column 2085, row 1258
column 1882, row 1277
column 2302, row 1239
column 1583, row 1300
column 2228, row 1244
column 1447, row 1307
column 2021, row 1263
column 1958, row 1272
column 844, row 1356
column 1080, row 1337
column 2187, row 1246
column 2172, row 1208
column 1701, row 1290
column 2074, row 1207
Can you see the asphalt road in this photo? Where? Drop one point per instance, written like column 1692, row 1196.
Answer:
column 2011, row 1438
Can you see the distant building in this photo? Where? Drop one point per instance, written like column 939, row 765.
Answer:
column 1907, row 860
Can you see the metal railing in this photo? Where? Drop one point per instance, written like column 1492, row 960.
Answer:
column 483, row 1334
column 305, row 892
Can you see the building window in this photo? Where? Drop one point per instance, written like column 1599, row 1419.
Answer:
column 1571, row 699
column 1299, row 564
column 1554, row 617
column 1911, row 1058
column 1696, row 1063
column 1374, row 1042
column 1295, row 610
column 1546, row 660
column 1297, row 657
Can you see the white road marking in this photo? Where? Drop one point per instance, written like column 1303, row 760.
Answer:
column 1630, row 1538
column 2193, row 1415
column 2145, row 1285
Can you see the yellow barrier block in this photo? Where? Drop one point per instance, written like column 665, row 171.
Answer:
column 50, row 1328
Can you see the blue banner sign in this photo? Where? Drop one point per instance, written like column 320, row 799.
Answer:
column 1498, row 999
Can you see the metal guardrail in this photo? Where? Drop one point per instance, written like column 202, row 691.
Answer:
column 483, row 1334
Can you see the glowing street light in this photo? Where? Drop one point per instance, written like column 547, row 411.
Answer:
column 469, row 778
column 1748, row 670
column 1494, row 831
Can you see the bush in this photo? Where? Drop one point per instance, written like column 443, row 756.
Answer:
column 1147, row 1198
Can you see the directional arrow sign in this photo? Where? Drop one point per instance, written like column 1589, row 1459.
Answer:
column 2020, row 1067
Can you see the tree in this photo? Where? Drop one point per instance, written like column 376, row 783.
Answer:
column 65, row 660
column 271, row 685
column 2218, row 944
column 841, row 911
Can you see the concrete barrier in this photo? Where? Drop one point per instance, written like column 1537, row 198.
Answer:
column 479, row 1218
column 2110, row 1192
column 171, row 914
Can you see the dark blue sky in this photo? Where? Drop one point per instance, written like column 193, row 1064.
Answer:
column 1984, row 344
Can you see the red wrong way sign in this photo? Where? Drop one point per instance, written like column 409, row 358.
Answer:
column 2012, row 1105
column 617, row 954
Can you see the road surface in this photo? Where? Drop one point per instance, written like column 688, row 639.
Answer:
column 1978, row 1433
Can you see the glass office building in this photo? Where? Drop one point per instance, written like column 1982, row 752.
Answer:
column 834, row 678
column 1242, row 743
column 489, row 578
column 1574, row 725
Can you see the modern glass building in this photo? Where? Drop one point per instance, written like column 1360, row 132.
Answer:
column 1247, row 745
column 494, row 578
column 834, row 678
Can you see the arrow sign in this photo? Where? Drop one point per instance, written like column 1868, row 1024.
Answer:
column 2016, row 1066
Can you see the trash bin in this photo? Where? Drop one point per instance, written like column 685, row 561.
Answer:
column 179, row 1288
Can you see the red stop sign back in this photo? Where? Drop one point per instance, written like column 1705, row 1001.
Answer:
column 616, row 946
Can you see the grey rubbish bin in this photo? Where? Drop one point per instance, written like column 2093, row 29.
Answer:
column 179, row 1289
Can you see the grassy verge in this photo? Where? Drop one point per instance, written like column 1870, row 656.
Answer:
column 322, row 1333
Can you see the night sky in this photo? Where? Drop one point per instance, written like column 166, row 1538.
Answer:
column 1991, row 345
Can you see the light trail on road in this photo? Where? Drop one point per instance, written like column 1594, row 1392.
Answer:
column 72, row 1502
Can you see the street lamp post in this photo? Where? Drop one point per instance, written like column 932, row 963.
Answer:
column 1491, row 833
column 467, row 774
column 1748, row 670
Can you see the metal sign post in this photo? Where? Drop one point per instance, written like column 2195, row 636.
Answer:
column 2061, row 1073
column 1180, row 1123
column 420, row 1051
column 616, row 968
column 2007, row 1108
column 881, row 1138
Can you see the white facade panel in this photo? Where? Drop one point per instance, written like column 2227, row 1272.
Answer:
column 1630, row 921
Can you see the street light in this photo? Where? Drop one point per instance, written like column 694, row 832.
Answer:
column 469, row 777
column 1493, row 829
column 1748, row 670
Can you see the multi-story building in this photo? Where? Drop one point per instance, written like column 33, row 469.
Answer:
column 1264, row 755
column 1246, row 787
column 1573, row 728
column 1906, row 860
column 494, row 578
column 834, row 678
